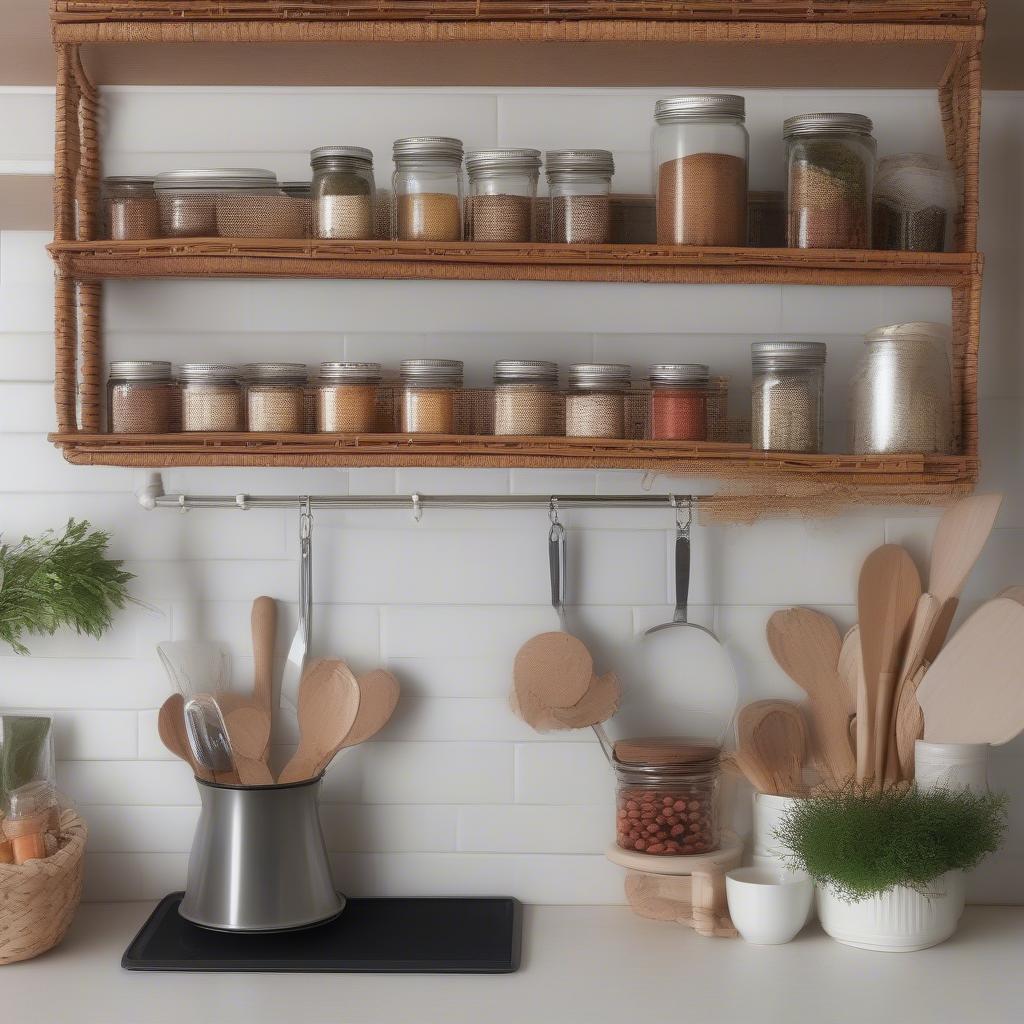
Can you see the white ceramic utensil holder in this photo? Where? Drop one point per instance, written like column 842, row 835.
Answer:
column 898, row 921
column 769, row 810
column 951, row 766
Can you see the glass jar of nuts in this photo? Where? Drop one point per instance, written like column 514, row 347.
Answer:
column 666, row 796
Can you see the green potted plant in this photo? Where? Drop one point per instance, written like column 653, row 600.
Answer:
column 889, row 864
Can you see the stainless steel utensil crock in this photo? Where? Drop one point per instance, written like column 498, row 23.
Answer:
column 258, row 860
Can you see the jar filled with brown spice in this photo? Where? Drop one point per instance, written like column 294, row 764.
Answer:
column 130, row 208
column 275, row 397
column 595, row 403
column 428, row 189
column 526, row 397
column 429, row 390
column 142, row 397
column 579, row 183
column 347, row 397
column 211, row 398
column 502, row 194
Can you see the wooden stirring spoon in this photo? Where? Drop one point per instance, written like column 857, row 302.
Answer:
column 171, row 727
column 773, row 734
column 248, row 731
column 328, row 706
column 378, row 698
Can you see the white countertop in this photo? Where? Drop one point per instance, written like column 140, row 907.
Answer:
column 586, row 964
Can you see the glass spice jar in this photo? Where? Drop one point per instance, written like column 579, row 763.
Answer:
column 666, row 799
column 347, row 398
column 342, row 192
column 205, row 202
column 502, row 193
column 679, row 401
column 428, row 189
column 579, row 208
column 211, row 398
column 130, row 208
column 831, row 161
column 787, row 396
column 275, row 397
column 701, row 151
column 142, row 397
column 525, row 397
column 914, row 203
column 901, row 396
column 595, row 403
column 429, row 389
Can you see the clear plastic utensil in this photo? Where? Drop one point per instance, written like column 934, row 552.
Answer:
column 208, row 738
column 195, row 666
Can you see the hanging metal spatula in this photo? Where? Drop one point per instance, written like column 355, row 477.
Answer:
column 299, row 649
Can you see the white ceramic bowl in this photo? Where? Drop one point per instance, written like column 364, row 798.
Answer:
column 767, row 905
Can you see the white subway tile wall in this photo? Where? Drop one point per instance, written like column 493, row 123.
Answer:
column 456, row 795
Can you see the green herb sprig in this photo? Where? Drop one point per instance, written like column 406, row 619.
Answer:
column 53, row 581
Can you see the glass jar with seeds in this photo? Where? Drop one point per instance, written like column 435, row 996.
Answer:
column 342, row 192
column 275, row 397
column 595, row 403
column 700, row 152
column 429, row 390
column 428, row 189
column 914, row 203
column 831, row 162
column 205, row 202
column 211, row 398
column 787, row 396
column 901, row 397
column 502, row 194
column 130, row 208
column 347, row 397
column 142, row 397
column 526, row 400
column 579, row 182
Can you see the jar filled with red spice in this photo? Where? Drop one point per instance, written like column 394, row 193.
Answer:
column 666, row 801
column 679, row 401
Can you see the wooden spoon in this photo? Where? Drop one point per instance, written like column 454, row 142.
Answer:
column 851, row 667
column 772, row 734
column 264, row 628
column 378, row 698
column 249, row 734
column 597, row 705
column 171, row 726
column 887, row 596
column 974, row 692
column 556, row 667
column 328, row 706
column 806, row 645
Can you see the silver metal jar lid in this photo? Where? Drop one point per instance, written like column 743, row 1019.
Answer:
column 352, row 152
column 679, row 373
column 275, row 373
column 208, row 373
column 699, row 107
column 525, row 371
column 791, row 355
column 484, row 162
column 579, row 161
column 350, row 373
column 826, row 124
column 216, row 178
column 439, row 147
column 595, row 376
column 432, row 372
column 140, row 369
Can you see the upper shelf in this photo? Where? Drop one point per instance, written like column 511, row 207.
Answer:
column 841, row 43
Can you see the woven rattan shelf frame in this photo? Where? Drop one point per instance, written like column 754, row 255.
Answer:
column 84, row 262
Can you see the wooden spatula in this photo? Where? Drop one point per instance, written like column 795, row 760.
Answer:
column 887, row 595
column 851, row 667
column 248, row 731
column 328, row 706
column 263, row 622
column 806, row 645
column 974, row 692
column 378, row 698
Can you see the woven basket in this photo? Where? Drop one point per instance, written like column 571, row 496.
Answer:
column 38, row 900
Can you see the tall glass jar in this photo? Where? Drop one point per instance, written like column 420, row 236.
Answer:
column 595, row 404
column 666, row 799
column 525, row 397
column 275, row 397
column 130, row 208
column 347, row 398
column 429, row 390
column 787, row 396
column 901, row 397
column 914, row 203
column 142, row 397
column 211, row 398
column 193, row 201
column 428, row 189
column 679, row 401
column 831, row 161
column 701, row 150
column 342, row 192
column 579, row 182
column 502, row 194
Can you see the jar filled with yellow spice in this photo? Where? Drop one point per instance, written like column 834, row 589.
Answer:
column 347, row 397
column 429, row 389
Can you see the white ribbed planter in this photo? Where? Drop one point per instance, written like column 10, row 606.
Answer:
column 898, row 921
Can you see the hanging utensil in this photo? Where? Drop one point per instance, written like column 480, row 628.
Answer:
column 208, row 738
column 299, row 649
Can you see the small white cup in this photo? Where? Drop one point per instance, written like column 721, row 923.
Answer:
column 768, row 906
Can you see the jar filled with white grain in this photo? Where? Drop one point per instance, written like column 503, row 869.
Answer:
column 275, row 397
column 526, row 397
column 502, row 194
column 429, row 390
column 142, row 397
column 595, row 402
column 428, row 189
column 347, row 398
column 211, row 398
column 787, row 396
column 342, row 192
column 579, row 183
